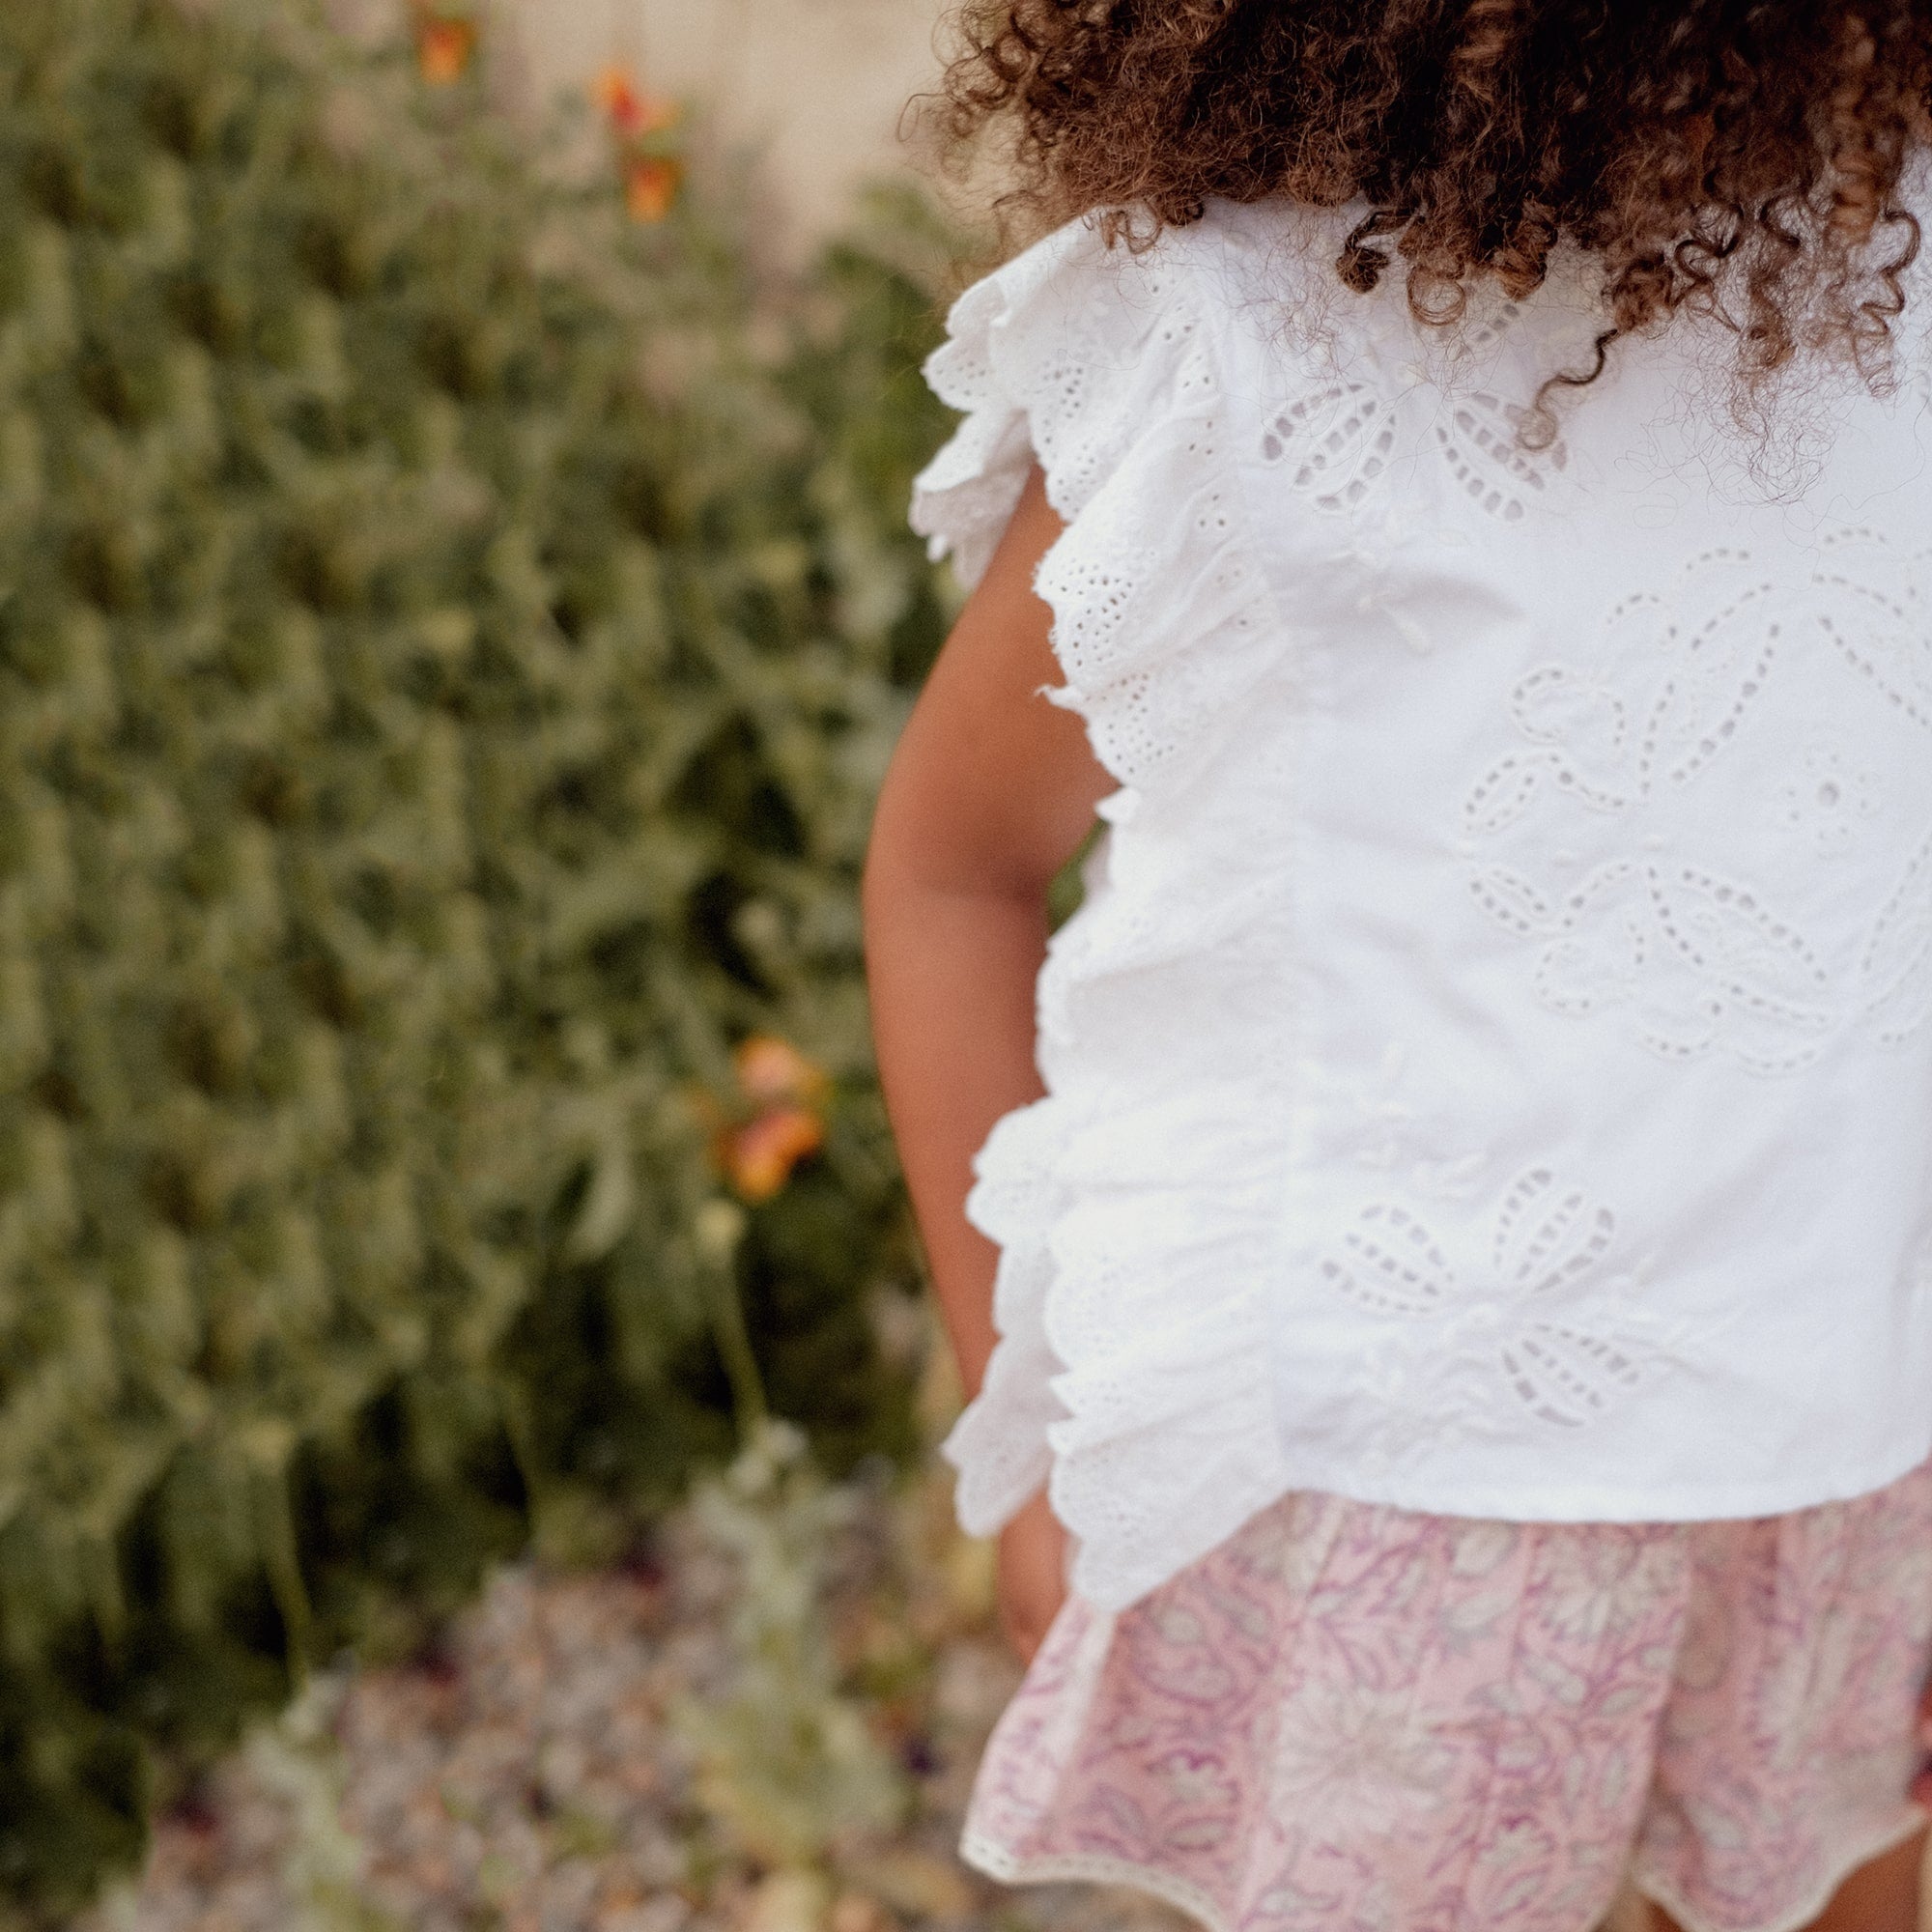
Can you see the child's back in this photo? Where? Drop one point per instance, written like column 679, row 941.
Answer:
column 1492, row 1056
column 1464, row 1267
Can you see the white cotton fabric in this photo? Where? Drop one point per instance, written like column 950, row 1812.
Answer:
column 1490, row 1072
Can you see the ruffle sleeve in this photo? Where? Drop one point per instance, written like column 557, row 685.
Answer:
column 1133, row 1205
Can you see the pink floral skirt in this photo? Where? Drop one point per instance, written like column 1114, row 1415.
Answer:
column 1353, row 1718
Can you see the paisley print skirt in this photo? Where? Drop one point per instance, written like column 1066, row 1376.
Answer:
column 1354, row 1719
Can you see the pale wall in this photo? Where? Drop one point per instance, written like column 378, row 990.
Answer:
column 817, row 86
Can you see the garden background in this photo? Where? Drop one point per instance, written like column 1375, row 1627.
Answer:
column 466, row 1408
column 460, row 1318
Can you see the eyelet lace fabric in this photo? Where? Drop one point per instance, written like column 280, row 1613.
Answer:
column 1489, row 1074
column 1133, row 1206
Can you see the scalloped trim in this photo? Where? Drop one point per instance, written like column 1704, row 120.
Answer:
column 1660, row 1891
column 997, row 1863
column 1162, row 643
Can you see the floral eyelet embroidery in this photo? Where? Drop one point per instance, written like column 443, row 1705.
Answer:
column 1597, row 839
column 1340, row 440
column 1478, row 438
column 1517, row 1330
column 1895, row 967
column 1336, row 442
column 1881, row 628
column 1829, row 800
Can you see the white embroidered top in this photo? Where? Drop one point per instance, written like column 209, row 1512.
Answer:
column 1491, row 1072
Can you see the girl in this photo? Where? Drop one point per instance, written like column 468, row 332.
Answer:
column 1452, row 499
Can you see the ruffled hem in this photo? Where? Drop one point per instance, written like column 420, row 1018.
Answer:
column 1133, row 1206
column 985, row 1854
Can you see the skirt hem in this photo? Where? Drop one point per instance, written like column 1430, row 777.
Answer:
column 996, row 1862
column 1661, row 1893
column 1092, row 1869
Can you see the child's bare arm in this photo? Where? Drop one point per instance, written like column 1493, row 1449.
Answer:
column 991, row 792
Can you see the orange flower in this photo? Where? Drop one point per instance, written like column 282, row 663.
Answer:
column 771, row 1070
column 758, row 1158
column 446, row 45
column 650, row 187
column 629, row 110
column 773, row 1123
column 613, row 93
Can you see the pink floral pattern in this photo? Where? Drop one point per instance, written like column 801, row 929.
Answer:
column 1354, row 1719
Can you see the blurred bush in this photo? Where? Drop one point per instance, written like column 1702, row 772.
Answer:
column 449, row 638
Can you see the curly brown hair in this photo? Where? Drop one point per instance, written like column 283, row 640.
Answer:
column 1736, row 159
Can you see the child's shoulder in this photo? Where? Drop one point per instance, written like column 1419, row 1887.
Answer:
column 1093, row 344
column 1230, row 255
column 1110, row 316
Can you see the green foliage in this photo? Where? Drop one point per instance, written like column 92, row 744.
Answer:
column 449, row 638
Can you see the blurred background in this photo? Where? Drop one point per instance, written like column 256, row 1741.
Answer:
column 466, row 1405
column 818, row 87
